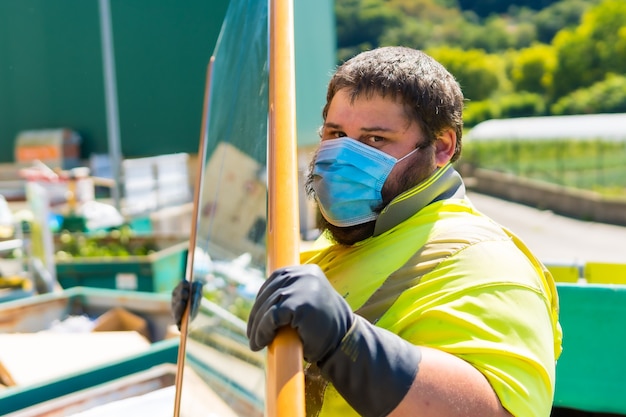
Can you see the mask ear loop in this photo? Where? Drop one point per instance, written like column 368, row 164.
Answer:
column 417, row 148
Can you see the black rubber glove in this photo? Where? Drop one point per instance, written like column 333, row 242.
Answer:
column 300, row 297
column 370, row 367
column 181, row 294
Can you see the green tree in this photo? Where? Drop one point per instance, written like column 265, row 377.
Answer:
column 361, row 23
column 479, row 74
column 494, row 48
column 532, row 69
column 492, row 35
column 412, row 33
column 522, row 104
column 497, row 33
column 479, row 111
column 558, row 16
column 425, row 24
column 606, row 96
column 488, row 7
column 588, row 52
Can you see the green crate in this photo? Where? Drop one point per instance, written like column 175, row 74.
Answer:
column 157, row 272
column 590, row 372
column 39, row 312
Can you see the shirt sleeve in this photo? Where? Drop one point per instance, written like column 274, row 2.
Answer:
column 489, row 305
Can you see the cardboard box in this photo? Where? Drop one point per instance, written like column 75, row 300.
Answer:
column 233, row 210
column 119, row 319
column 57, row 148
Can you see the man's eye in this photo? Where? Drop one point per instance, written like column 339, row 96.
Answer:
column 374, row 139
column 338, row 134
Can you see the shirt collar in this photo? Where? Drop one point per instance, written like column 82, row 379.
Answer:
column 444, row 183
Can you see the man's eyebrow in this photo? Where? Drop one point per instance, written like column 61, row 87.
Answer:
column 377, row 129
column 363, row 129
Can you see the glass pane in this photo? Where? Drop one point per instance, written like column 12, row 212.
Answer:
column 221, row 375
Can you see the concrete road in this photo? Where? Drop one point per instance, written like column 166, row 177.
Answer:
column 554, row 238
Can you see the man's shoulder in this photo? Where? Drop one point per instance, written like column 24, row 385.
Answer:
column 458, row 220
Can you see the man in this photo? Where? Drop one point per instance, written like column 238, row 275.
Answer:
column 411, row 303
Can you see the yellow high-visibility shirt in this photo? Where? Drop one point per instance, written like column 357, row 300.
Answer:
column 451, row 279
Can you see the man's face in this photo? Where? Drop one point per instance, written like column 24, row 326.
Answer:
column 383, row 124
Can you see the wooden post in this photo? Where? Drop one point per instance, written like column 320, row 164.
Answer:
column 285, row 376
column 184, row 325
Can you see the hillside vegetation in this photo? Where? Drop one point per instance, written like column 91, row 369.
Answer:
column 512, row 58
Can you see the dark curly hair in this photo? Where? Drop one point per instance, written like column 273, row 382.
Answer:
column 431, row 95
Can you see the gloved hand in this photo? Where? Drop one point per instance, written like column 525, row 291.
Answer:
column 370, row 367
column 181, row 294
column 300, row 297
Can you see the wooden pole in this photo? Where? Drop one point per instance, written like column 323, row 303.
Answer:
column 285, row 376
column 184, row 325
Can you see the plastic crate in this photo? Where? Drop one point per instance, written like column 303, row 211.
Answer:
column 158, row 272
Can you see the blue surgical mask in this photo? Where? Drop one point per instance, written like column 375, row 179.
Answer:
column 348, row 177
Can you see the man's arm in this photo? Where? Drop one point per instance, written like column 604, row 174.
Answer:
column 446, row 385
column 375, row 370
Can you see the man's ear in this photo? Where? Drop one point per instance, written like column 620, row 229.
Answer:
column 445, row 146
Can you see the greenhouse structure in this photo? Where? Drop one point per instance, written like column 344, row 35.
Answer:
column 585, row 126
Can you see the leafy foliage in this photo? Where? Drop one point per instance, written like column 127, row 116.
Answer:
column 532, row 68
column 607, row 96
column 556, row 17
column 514, row 58
column 360, row 23
column 522, row 104
column 121, row 243
column 487, row 7
column 595, row 47
column 478, row 74
column 478, row 111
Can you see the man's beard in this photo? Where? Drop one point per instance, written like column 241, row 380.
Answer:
column 417, row 168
